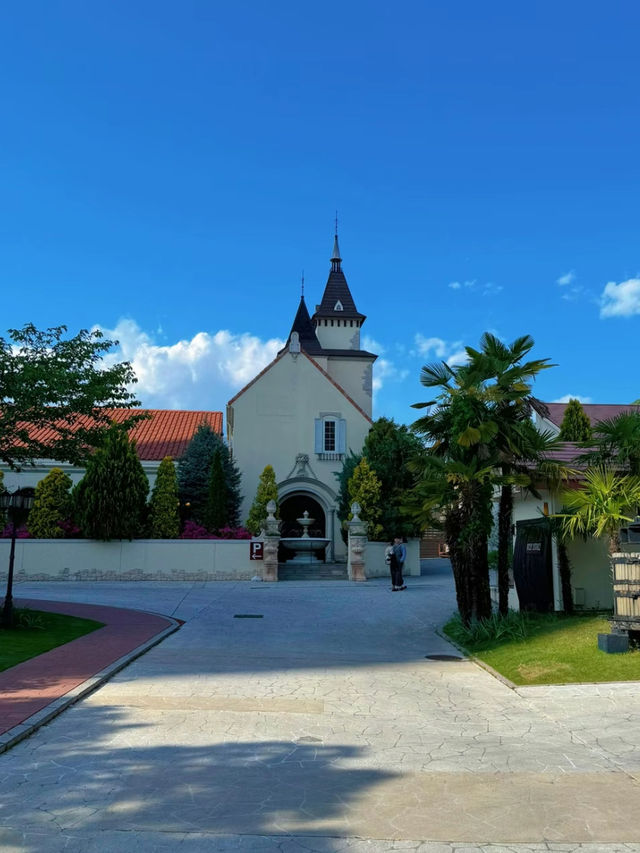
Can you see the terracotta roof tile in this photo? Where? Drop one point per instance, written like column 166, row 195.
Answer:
column 167, row 432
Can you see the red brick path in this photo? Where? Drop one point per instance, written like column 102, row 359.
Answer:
column 31, row 686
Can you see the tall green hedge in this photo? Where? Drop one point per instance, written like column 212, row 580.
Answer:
column 52, row 505
column 164, row 506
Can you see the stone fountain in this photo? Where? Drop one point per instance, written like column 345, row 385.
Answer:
column 306, row 548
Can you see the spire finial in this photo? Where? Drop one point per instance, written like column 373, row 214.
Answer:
column 335, row 257
column 302, row 285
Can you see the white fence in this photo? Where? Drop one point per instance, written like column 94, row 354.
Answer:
column 156, row 560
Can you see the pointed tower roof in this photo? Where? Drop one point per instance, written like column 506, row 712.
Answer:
column 337, row 300
column 306, row 332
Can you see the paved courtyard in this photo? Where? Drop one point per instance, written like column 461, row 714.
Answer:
column 320, row 726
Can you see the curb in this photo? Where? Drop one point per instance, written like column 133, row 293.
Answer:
column 23, row 730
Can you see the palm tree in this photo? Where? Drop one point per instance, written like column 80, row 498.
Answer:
column 601, row 505
column 615, row 441
column 522, row 449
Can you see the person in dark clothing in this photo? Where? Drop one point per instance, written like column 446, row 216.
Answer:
column 398, row 557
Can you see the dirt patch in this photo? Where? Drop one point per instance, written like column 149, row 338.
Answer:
column 532, row 672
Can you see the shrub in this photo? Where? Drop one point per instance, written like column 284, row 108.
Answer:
column 110, row 500
column 267, row 491
column 215, row 510
column 575, row 426
column 21, row 532
column 164, row 506
column 364, row 487
column 52, row 505
column 513, row 626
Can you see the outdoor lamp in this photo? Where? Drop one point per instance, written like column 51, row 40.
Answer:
column 15, row 503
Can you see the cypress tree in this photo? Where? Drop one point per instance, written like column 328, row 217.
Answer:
column 194, row 475
column 364, row 487
column 51, row 506
column 164, row 506
column 215, row 511
column 267, row 490
column 111, row 498
column 575, row 424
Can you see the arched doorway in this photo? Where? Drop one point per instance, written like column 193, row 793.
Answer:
column 292, row 508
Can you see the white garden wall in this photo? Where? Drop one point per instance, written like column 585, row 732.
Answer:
column 156, row 560
column 142, row 559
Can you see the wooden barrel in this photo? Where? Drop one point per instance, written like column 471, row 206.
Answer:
column 626, row 590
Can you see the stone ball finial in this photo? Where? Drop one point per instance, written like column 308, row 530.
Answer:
column 355, row 511
column 271, row 508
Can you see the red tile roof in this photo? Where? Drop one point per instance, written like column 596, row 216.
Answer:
column 167, row 432
column 594, row 411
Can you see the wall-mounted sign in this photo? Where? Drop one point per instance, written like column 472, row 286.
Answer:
column 256, row 550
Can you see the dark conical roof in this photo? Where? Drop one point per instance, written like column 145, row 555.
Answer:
column 337, row 293
column 306, row 332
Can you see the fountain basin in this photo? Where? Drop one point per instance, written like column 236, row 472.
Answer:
column 305, row 548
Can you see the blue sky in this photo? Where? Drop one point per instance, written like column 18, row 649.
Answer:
column 169, row 169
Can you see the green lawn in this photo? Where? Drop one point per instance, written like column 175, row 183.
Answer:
column 47, row 631
column 557, row 649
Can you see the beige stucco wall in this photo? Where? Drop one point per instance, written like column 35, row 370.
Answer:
column 590, row 574
column 273, row 420
column 142, row 559
column 338, row 336
column 32, row 474
column 355, row 376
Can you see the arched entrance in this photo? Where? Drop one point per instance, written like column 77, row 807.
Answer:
column 292, row 508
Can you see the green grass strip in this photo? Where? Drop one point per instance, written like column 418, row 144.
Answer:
column 547, row 649
column 39, row 632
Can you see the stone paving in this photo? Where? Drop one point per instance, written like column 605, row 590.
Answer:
column 319, row 727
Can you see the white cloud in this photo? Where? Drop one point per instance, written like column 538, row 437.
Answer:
column 452, row 353
column 386, row 371
column 567, row 397
column 469, row 284
column 201, row 373
column 567, row 278
column 490, row 287
column 621, row 300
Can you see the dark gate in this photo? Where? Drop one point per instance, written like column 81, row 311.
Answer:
column 532, row 566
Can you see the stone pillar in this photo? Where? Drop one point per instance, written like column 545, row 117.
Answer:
column 271, row 542
column 357, row 545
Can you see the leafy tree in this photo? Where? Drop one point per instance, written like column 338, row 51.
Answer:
column 110, row 499
column 52, row 505
column 602, row 504
column 215, row 511
column 49, row 381
column 194, row 475
column 164, row 506
column 389, row 449
column 615, row 442
column 365, row 489
column 575, row 426
column 267, row 491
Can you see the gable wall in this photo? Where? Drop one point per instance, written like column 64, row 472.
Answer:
column 274, row 420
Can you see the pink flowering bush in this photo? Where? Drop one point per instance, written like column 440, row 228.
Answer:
column 192, row 530
column 21, row 532
column 70, row 528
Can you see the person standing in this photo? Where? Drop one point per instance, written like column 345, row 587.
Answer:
column 398, row 557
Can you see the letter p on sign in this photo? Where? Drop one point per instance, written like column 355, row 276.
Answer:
column 256, row 550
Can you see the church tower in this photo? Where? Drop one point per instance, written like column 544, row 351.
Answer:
column 337, row 320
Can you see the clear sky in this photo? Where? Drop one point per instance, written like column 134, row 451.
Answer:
column 168, row 169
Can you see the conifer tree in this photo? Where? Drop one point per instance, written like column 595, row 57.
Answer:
column 110, row 499
column 365, row 489
column 267, row 491
column 575, row 426
column 52, row 505
column 215, row 511
column 164, row 506
column 194, row 475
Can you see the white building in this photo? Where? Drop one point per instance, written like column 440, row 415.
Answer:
column 306, row 410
